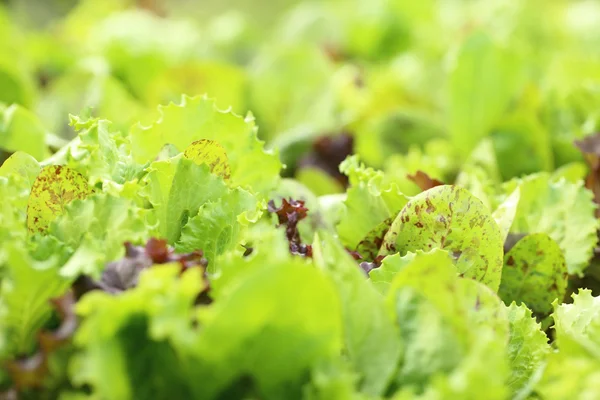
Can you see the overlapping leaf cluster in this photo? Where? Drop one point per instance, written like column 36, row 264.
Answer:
column 417, row 217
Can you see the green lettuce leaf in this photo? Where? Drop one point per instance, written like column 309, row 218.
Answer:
column 198, row 118
column 273, row 328
column 568, row 374
column 177, row 188
column 98, row 153
column 480, row 174
column 577, row 325
column 534, row 273
column 95, row 230
column 562, row 210
column 450, row 218
column 216, row 226
column 482, row 82
column 370, row 337
column 383, row 276
column 21, row 166
column 21, row 130
column 505, row 213
column 449, row 327
column 125, row 342
column 17, row 176
column 528, row 350
column 25, row 291
column 369, row 202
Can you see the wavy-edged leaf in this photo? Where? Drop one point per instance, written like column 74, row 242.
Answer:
column 528, row 350
column 199, row 118
column 25, row 294
column 135, row 325
column 96, row 228
column 283, row 315
column 54, row 188
column 562, row 210
column 216, row 226
column 99, row 152
column 177, row 188
column 534, row 273
column 368, row 203
column 577, row 325
column 444, row 320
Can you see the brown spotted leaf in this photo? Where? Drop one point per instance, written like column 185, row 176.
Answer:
column 450, row 218
column 424, row 181
column 211, row 153
column 54, row 188
column 369, row 247
column 534, row 273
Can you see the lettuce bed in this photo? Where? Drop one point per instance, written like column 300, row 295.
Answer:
column 415, row 219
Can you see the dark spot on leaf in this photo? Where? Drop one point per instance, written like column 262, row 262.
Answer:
column 423, row 181
column 289, row 214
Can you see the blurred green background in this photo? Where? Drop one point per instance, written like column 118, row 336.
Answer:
column 417, row 85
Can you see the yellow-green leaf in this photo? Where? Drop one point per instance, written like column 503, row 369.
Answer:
column 54, row 188
column 211, row 153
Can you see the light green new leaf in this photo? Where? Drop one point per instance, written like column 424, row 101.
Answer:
column 135, row 325
column 280, row 322
column 505, row 213
column 534, row 273
column 25, row 293
column 577, row 325
column 479, row 174
column 216, row 227
column 528, row 350
column 22, row 165
column 20, row 169
column 562, row 210
column 99, row 153
column 54, row 188
column 21, row 130
column 369, row 202
column 17, row 176
column 198, row 118
column 177, row 188
column 383, row 276
column 443, row 318
column 96, row 228
column 13, row 215
column 450, row 218
column 568, row 377
column 371, row 340
column 471, row 377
